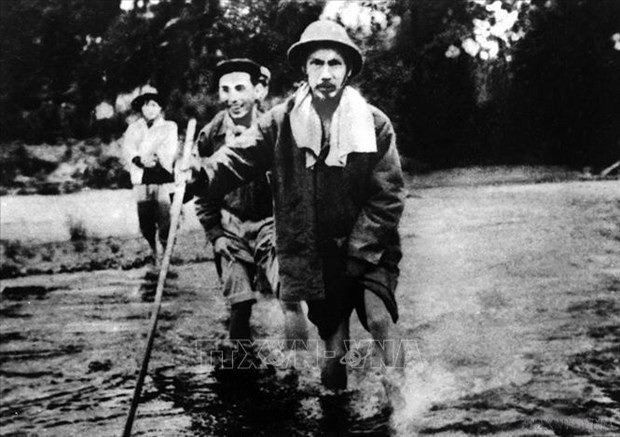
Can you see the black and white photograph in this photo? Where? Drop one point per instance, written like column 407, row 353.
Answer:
column 303, row 218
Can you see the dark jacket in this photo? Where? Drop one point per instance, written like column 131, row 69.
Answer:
column 251, row 202
column 358, row 206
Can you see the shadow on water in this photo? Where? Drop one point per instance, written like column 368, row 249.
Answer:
column 265, row 401
column 26, row 292
column 262, row 400
column 148, row 287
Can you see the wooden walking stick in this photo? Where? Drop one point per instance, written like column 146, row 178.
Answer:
column 177, row 204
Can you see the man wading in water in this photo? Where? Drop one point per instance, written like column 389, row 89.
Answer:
column 240, row 225
column 338, row 197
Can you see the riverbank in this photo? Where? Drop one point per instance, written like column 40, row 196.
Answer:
column 98, row 229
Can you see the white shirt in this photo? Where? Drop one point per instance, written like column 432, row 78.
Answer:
column 161, row 139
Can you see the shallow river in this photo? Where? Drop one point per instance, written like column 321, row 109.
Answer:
column 509, row 309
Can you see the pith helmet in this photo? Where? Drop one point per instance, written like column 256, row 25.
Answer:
column 325, row 32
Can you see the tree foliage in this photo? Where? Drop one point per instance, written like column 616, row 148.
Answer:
column 48, row 74
column 465, row 81
column 175, row 46
column 541, row 87
column 567, row 85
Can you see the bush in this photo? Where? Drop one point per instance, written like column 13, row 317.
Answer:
column 107, row 172
column 14, row 249
column 77, row 233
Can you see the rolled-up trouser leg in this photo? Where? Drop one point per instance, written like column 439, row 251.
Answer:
column 238, row 291
column 265, row 257
column 236, row 282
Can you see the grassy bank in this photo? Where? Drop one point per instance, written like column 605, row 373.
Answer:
column 78, row 165
column 83, row 253
column 97, row 248
column 47, row 169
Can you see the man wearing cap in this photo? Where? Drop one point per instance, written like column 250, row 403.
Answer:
column 240, row 224
column 337, row 193
column 150, row 145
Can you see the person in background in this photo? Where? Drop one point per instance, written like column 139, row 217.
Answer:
column 263, row 90
column 150, row 145
column 338, row 196
column 240, row 225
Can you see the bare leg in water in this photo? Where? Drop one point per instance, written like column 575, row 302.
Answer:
column 390, row 348
column 334, row 371
column 295, row 326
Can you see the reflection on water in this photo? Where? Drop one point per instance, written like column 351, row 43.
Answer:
column 441, row 398
column 268, row 401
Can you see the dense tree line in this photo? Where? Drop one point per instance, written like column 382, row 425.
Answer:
column 550, row 97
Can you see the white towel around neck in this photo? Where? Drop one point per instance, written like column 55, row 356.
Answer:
column 352, row 129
